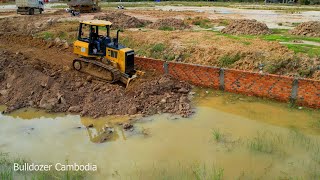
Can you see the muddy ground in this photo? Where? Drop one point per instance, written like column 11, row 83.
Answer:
column 26, row 81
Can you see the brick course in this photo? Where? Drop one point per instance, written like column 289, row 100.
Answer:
column 198, row 75
column 238, row 81
column 255, row 84
column 309, row 93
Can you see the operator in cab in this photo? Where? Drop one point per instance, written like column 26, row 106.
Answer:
column 94, row 37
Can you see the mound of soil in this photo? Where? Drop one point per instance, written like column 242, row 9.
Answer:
column 170, row 23
column 246, row 27
column 27, row 25
column 311, row 29
column 121, row 20
column 27, row 82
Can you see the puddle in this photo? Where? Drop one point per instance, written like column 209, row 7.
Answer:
column 230, row 134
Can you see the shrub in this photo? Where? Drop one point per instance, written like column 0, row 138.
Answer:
column 227, row 60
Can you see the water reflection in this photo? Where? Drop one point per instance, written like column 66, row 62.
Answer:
column 102, row 134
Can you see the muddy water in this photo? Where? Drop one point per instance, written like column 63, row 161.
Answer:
column 176, row 146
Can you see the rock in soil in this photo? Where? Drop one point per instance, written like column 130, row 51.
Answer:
column 70, row 91
column 127, row 126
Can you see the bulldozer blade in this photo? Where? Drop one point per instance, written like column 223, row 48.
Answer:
column 127, row 81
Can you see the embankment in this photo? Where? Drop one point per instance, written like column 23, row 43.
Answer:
column 305, row 92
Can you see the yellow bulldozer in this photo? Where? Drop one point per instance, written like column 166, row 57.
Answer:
column 102, row 56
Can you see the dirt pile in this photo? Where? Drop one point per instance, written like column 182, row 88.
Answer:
column 246, row 27
column 27, row 25
column 121, row 20
column 27, row 82
column 170, row 24
column 311, row 29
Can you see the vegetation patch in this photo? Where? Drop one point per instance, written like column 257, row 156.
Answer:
column 227, row 60
column 265, row 142
column 7, row 173
column 201, row 22
column 217, row 135
column 195, row 171
column 166, row 28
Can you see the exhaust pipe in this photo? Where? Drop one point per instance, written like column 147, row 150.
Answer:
column 117, row 40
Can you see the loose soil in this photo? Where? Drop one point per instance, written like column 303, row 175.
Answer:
column 311, row 29
column 246, row 27
column 172, row 23
column 25, row 25
column 121, row 20
column 29, row 82
column 154, row 15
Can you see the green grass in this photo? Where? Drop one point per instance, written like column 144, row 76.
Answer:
column 7, row 173
column 195, row 171
column 265, row 142
column 310, row 50
column 217, row 135
column 295, row 24
column 62, row 35
column 275, row 66
column 203, row 173
column 169, row 57
column 158, row 47
column 246, row 43
column 281, row 35
column 203, row 23
column 47, row 35
column 158, row 51
column 277, row 35
column 227, row 60
column 316, row 124
column 224, row 22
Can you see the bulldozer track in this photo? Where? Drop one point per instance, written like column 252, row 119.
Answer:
column 115, row 73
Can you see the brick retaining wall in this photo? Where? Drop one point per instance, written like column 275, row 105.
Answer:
column 309, row 93
column 301, row 91
column 250, row 83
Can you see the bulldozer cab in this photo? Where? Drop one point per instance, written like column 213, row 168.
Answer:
column 97, row 34
column 101, row 55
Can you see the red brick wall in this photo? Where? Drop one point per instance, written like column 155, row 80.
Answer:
column 309, row 93
column 237, row 81
column 198, row 75
column 271, row 86
column 149, row 64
